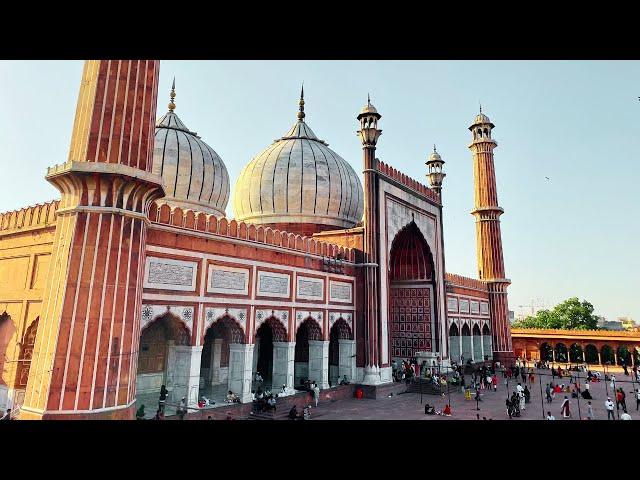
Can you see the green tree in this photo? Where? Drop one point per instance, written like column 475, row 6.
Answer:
column 572, row 314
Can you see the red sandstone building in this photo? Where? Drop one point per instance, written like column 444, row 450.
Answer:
column 134, row 278
column 577, row 346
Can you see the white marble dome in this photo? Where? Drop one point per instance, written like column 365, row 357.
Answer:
column 298, row 179
column 481, row 118
column 194, row 175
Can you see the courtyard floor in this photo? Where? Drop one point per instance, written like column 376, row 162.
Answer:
column 408, row 406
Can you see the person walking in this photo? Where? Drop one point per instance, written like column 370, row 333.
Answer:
column 182, row 408
column 494, row 381
column 609, row 405
column 589, row 411
column 637, row 399
column 316, row 393
column 566, row 413
column 547, row 391
column 163, row 398
column 623, row 400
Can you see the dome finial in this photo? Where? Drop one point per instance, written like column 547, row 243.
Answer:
column 301, row 114
column 368, row 99
column 480, row 107
column 434, row 148
column 172, row 105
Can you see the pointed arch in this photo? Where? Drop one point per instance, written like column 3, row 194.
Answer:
column 26, row 353
column 411, row 258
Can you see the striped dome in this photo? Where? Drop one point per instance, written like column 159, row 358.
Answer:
column 194, row 175
column 298, row 179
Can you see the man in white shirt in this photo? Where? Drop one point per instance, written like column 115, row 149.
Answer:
column 625, row 416
column 550, row 417
column 609, row 405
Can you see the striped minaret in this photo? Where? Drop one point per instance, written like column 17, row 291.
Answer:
column 369, row 134
column 85, row 355
column 488, row 237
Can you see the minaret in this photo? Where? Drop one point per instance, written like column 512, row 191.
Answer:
column 85, row 355
column 369, row 135
column 488, row 236
column 435, row 174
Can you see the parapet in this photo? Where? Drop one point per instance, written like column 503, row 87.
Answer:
column 460, row 281
column 39, row 215
column 408, row 182
column 208, row 223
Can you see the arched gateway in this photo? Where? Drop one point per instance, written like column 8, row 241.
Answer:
column 412, row 301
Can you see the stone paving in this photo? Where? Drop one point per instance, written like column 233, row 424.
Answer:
column 407, row 406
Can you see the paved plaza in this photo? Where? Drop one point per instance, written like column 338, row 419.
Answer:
column 407, row 406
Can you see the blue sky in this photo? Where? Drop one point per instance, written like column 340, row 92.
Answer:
column 576, row 122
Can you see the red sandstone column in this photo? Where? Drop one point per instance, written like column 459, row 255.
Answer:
column 85, row 356
column 369, row 135
column 488, row 236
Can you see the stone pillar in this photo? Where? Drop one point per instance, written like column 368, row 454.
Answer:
column 553, row 354
column 84, row 360
column 186, row 373
column 460, row 338
column 615, row 357
column 240, row 370
column 283, row 364
column 369, row 134
column 473, row 349
column 216, row 355
column 347, row 359
column 599, row 358
column 319, row 362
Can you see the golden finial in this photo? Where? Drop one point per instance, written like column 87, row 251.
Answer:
column 172, row 105
column 301, row 114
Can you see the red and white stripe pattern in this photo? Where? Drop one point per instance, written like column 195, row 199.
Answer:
column 86, row 348
column 489, row 245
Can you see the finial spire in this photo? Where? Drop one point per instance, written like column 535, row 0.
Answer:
column 368, row 99
column 301, row 114
column 172, row 105
column 434, row 148
column 480, row 107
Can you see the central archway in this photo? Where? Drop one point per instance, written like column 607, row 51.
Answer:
column 412, row 295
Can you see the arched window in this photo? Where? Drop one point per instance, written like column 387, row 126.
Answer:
column 453, row 330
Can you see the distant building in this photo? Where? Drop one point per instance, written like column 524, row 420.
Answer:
column 610, row 324
column 628, row 323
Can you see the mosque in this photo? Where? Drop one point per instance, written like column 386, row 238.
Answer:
column 134, row 278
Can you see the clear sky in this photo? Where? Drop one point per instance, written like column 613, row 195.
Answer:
column 576, row 122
